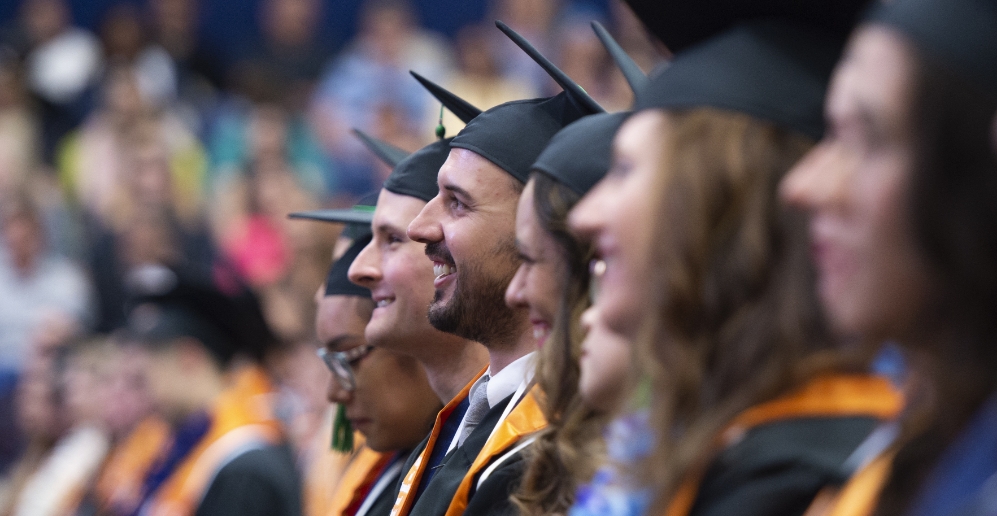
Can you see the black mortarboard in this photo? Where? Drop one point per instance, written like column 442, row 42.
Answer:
column 513, row 134
column 680, row 24
column 357, row 218
column 580, row 154
column 631, row 72
column 388, row 153
column 167, row 304
column 461, row 108
column 416, row 175
column 337, row 282
column 775, row 70
column 961, row 34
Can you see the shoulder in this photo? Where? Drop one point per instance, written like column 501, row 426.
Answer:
column 259, row 481
column 778, row 468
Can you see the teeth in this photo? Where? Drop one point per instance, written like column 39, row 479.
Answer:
column 384, row 302
column 443, row 269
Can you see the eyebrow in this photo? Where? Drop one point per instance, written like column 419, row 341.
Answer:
column 387, row 227
column 458, row 190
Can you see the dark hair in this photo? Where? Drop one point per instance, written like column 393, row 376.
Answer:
column 953, row 207
column 738, row 322
column 568, row 450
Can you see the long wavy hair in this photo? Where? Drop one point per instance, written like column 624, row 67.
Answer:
column 953, row 206
column 568, row 451
column 737, row 321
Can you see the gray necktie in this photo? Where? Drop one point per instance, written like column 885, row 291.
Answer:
column 476, row 409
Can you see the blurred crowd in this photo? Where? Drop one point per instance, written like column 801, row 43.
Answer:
column 133, row 145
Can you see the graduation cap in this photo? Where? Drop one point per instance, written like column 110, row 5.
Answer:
column 580, row 154
column 631, row 72
column 415, row 174
column 337, row 282
column 959, row 33
column 461, row 108
column 680, row 24
column 775, row 70
column 167, row 304
column 388, row 153
column 356, row 218
column 513, row 134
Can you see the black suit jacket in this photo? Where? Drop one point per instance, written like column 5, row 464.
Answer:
column 441, row 489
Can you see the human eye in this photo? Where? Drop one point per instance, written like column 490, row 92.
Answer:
column 456, row 205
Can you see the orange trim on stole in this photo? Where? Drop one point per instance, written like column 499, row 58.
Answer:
column 354, row 478
column 410, row 483
column 119, row 487
column 526, row 418
column 236, row 420
column 860, row 495
column 824, row 396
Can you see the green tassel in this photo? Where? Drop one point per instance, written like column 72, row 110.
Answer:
column 342, row 432
column 440, row 130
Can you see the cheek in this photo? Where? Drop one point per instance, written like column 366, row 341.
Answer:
column 603, row 370
column 544, row 288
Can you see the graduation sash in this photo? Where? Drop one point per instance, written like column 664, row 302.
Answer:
column 357, row 480
column 410, row 483
column 834, row 395
column 859, row 496
column 237, row 425
column 118, row 489
column 525, row 419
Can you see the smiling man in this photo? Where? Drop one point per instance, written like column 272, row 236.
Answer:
column 469, row 229
column 395, row 270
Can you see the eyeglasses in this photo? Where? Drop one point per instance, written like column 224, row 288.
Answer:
column 341, row 364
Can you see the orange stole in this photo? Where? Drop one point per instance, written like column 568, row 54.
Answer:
column 326, row 471
column 526, row 418
column 859, row 496
column 359, row 476
column 118, row 489
column 410, row 483
column 235, row 424
column 825, row 396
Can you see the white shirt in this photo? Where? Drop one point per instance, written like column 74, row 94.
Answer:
column 501, row 385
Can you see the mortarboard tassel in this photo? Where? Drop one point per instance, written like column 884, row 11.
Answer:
column 342, row 432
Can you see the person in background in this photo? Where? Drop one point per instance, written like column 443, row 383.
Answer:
column 126, row 42
column 137, row 433
column 553, row 284
column 368, row 87
column 223, row 457
column 62, row 64
column 901, row 192
column 39, row 416
column 44, row 298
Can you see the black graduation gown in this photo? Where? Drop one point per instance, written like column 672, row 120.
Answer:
column 261, row 482
column 778, row 468
column 493, row 496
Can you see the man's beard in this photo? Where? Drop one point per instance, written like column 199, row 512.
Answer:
column 477, row 309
